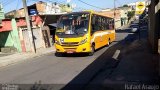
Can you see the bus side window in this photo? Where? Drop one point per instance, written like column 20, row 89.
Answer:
column 99, row 23
column 93, row 22
column 103, row 24
column 93, row 19
column 107, row 23
column 113, row 23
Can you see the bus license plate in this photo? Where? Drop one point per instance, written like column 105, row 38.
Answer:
column 70, row 51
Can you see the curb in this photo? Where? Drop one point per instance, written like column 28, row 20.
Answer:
column 7, row 62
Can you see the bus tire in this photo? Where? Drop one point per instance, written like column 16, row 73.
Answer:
column 109, row 40
column 92, row 50
column 107, row 44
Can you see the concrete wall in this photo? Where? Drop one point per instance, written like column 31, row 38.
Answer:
column 117, row 23
column 124, row 13
column 20, row 13
column 40, row 7
column 119, row 13
column 110, row 13
column 10, row 38
column 157, row 10
column 154, row 25
column 15, row 36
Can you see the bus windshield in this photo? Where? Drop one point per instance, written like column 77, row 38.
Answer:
column 73, row 24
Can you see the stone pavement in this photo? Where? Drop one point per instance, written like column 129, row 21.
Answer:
column 18, row 57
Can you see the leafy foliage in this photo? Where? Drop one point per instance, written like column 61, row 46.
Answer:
column 9, row 16
column 125, row 5
column 130, row 14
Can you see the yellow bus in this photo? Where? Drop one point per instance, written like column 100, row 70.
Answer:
column 83, row 32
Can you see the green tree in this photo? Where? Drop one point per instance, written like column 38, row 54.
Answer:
column 9, row 16
column 125, row 5
column 130, row 14
column 68, row 5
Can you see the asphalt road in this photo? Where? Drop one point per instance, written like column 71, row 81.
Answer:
column 50, row 69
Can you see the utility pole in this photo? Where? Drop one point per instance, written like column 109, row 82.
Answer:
column 114, row 9
column 114, row 13
column 29, row 26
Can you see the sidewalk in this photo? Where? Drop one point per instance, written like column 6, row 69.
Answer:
column 18, row 57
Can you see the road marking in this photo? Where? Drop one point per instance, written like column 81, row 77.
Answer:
column 116, row 54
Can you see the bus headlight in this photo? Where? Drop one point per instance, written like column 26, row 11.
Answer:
column 57, row 42
column 83, row 41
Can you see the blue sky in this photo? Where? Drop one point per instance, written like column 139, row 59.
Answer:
column 9, row 5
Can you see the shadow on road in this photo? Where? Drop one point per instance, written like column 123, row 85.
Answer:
column 73, row 55
column 78, row 54
column 82, row 79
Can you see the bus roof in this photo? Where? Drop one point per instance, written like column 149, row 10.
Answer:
column 97, row 13
column 91, row 12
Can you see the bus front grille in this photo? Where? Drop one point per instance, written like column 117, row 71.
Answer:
column 70, row 44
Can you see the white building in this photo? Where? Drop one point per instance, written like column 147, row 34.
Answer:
column 51, row 8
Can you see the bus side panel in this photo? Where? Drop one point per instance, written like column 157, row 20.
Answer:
column 100, row 38
column 105, row 39
column 112, row 35
column 96, row 38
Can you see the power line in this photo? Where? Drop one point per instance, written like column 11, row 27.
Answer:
column 16, row 9
column 6, row 3
column 118, row 2
column 17, row 4
column 90, row 4
column 55, row 1
column 80, row 8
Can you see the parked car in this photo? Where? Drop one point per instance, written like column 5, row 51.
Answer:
column 134, row 28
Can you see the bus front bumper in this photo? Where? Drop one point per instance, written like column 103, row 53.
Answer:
column 84, row 48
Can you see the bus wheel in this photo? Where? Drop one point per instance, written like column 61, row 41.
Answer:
column 109, row 40
column 108, row 43
column 92, row 50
